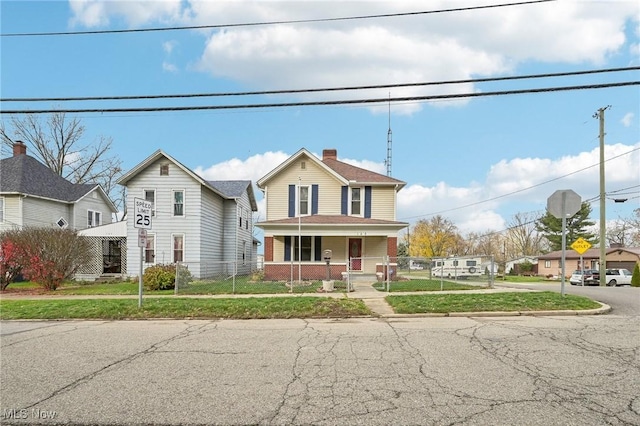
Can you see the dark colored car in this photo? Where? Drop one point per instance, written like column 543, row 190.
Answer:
column 591, row 277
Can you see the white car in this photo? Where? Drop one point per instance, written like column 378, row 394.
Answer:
column 616, row 277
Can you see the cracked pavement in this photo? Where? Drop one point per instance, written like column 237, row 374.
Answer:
column 427, row 371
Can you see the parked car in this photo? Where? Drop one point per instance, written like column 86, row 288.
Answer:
column 591, row 277
column 616, row 277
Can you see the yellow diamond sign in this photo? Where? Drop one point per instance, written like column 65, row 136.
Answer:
column 581, row 245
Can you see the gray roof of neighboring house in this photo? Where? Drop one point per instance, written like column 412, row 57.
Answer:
column 23, row 174
column 234, row 189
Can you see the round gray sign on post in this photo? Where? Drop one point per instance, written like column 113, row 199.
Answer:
column 564, row 200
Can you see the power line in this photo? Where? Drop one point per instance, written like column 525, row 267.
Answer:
column 519, row 190
column 266, row 23
column 328, row 102
column 325, row 89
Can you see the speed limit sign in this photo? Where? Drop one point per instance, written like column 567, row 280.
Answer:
column 142, row 213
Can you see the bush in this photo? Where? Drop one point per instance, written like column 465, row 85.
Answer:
column 9, row 262
column 635, row 278
column 159, row 277
column 163, row 277
column 47, row 256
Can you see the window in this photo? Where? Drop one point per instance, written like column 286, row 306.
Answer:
column 150, row 195
column 547, row 264
column 62, row 223
column 305, row 250
column 356, row 201
column 150, row 249
column 240, row 213
column 303, row 198
column 164, row 170
column 244, row 252
column 93, row 218
column 472, row 263
column 178, row 248
column 178, row 203
column 1, row 209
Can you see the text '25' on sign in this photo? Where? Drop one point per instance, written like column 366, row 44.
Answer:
column 142, row 213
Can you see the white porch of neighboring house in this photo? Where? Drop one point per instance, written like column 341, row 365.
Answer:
column 109, row 252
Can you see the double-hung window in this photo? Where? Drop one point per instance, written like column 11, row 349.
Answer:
column 150, row 249
column 304, row 200
column 94, row 218
column 178, row 248
column 150, row 196
column 178, row 203
column 302, row 251
column 356, row 201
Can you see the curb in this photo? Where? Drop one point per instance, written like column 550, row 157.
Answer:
column 603, row 309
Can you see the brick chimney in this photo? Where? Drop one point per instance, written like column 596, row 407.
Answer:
column 19, row 148
column 329, row 154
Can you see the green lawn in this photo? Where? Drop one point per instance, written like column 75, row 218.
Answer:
column 120, row 309
column 424, row 285
column 490, row 302
column 242, row 286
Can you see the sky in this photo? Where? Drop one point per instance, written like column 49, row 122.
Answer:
column 475, row 161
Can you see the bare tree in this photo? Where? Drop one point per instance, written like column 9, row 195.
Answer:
column 58, row 144
column 625, row 231
column 523, row 239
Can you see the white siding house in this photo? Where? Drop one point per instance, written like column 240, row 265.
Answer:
column 31, row 194
column 197, row 222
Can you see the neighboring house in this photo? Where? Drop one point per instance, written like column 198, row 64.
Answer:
column 619, row 257
column 511, row 266
column 31, row 194
column 206, row 225
column 314, row 205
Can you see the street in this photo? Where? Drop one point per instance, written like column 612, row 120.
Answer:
column 571, row 370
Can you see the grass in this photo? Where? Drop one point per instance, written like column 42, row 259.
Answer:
column 516, row 301
column 180, row 308
column 424, row 285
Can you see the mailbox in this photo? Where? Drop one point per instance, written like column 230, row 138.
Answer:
column 326, row 255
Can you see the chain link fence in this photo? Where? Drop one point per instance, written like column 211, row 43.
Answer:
column 238, row 278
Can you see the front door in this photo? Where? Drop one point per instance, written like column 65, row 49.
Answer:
column 355, row 253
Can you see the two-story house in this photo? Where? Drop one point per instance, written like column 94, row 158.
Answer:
column 314, row 205
column 206, row 225
column 31, row 194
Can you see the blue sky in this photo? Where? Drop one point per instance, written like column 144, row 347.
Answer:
column 499, row 155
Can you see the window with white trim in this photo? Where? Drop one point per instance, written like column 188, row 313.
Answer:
column 178, row 203
column 356, row 201
column 164, row 170
column 178, row 248
column 94, row 218
column 547, row 264
column 304, row 200
column 150, row 249
column 150, row 195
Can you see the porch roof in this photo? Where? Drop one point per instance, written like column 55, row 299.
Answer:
column 330, row 220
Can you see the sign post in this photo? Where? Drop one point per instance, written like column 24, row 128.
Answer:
column 562, row 204
column 142, row 221
column 581, row 246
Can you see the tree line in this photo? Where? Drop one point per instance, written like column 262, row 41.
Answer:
column 526, row 235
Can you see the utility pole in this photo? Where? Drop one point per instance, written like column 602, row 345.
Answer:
column 603, row 237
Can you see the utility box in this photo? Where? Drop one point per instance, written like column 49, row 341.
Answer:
column 327, row 285
column 326, row 254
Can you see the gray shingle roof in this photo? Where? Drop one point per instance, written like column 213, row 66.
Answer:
column 230, row 188
column 25, row 175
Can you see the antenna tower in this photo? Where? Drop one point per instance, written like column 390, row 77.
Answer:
column 388, row 160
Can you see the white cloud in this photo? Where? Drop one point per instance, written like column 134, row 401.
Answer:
column 168, row 46
column 627, row 120
column 429, row 47
column 135, row 13
column 169, row 67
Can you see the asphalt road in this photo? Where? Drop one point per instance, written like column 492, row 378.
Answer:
column 573, row 370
